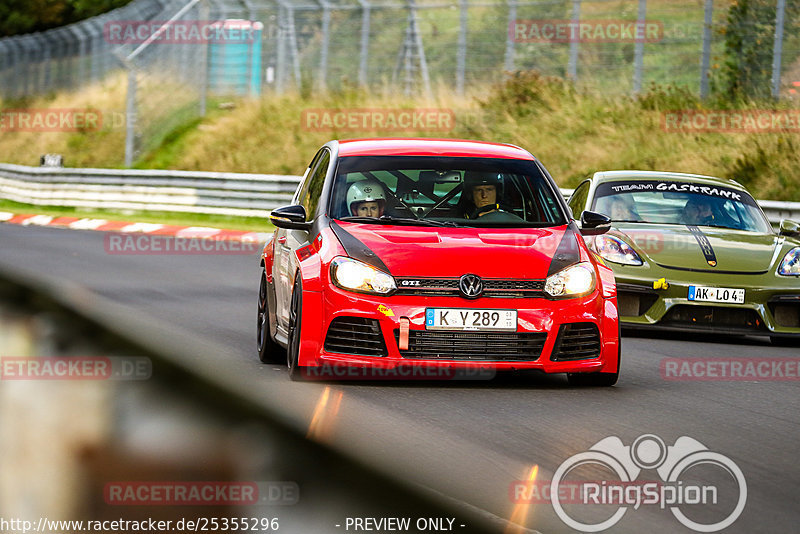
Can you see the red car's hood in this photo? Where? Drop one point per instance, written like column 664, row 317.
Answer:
column 519, row 253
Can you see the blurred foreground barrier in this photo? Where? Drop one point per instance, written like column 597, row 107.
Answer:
column 108, row 416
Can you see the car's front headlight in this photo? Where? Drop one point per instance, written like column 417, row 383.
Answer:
column 574, row 281
column 354, row 275
column 616, row 250
column 790, row 266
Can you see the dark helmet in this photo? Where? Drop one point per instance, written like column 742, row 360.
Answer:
column 475, row 178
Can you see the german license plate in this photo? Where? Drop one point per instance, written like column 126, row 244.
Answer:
column 716, row 294
column 470, row 319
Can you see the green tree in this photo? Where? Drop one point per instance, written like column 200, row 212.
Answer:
column 749, row 38
column 26, row 16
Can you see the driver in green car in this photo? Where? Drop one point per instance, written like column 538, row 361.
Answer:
column 698, row 212
column 482, row 190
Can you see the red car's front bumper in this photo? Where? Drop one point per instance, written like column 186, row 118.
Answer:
column 535, row 315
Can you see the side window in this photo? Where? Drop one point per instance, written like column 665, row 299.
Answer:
column 302, row 189
column 577, row 202
column 312, row 189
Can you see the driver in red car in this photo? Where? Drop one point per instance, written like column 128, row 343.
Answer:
column 482, row 190
column 366, row 199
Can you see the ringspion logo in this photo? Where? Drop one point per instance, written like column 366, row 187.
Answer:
column 625, row 464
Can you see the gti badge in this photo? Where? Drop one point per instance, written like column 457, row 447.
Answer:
column 470, row 286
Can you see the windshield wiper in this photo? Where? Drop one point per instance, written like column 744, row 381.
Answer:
column 386, row 219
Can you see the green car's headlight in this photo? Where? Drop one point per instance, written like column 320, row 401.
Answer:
column 354, row 275
column 616, row 250
column 790, row 266
column 574, row 281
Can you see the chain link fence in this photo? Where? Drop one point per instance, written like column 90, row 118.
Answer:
column 391, row 46
column 65, row 58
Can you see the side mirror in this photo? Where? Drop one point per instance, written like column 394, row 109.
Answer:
column 290, row 217
column 790, row 228
column 594, row 223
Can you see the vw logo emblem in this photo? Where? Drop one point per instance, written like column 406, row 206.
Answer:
column 471, row 286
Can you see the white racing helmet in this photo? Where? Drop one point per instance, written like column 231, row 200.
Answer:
column 365, row 191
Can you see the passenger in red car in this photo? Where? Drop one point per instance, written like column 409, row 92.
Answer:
column 366, row 199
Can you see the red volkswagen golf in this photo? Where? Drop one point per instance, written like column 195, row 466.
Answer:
column 435, row 255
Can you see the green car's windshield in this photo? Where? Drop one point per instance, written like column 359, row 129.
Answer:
column 672, row 202
column 444, row 191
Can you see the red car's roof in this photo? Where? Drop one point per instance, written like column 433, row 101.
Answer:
column 430, row 147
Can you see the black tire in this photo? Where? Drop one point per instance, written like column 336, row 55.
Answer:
column 602, row 380
column 268, row 350
column 295, row 317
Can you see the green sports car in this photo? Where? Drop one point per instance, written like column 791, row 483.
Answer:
column 693, row 252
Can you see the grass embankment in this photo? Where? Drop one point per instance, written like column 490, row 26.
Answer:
column 573, row 132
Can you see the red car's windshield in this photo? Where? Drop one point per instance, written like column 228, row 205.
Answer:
column 459, row 191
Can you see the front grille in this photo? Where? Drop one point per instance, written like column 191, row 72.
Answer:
column 577, row 341
column 355, row 335
column 475, row 346
column 448, row 287
column 713, row 316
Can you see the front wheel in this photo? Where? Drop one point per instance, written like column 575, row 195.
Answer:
column 268, row 350
column 295, row 316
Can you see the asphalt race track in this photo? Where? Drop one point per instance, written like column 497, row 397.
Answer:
column 472, row 440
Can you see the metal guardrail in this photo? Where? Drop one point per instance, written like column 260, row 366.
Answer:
column 221, row 193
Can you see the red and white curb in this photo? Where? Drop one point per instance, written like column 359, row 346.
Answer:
column 103, row 225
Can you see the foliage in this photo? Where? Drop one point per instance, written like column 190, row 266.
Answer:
column 26, row 16
column 749, row 33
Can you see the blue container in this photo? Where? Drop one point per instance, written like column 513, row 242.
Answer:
column 234, row 57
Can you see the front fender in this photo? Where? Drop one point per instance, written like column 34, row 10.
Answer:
column 268, row 257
